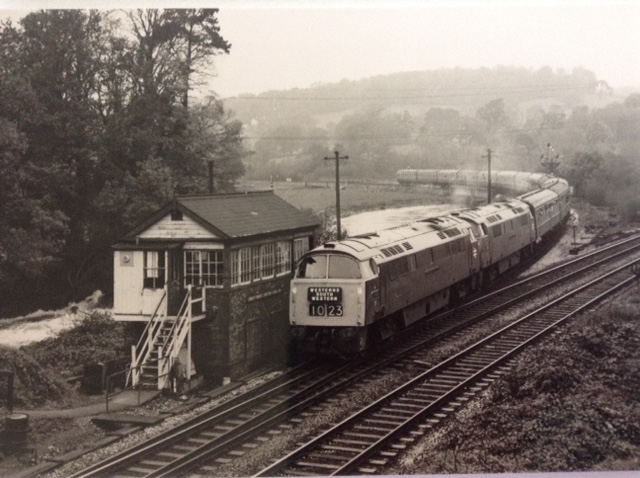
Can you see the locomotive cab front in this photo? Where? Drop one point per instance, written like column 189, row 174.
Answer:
column 328, row 302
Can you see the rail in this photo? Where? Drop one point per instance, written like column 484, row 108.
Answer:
column 112, row 391
column 381, row 430
column 270, row 410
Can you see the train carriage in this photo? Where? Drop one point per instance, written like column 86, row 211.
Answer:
column 468, row 177
column 509, row 181
column 562, row 189
column 426, row 176
column 504, row 180
column 546, row 209
column 446, row 177
column 407, row 176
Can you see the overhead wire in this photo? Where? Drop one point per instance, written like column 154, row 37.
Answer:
column 455, row 92
column 408, row 135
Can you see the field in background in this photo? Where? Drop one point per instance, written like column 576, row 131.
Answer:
column 353, row 197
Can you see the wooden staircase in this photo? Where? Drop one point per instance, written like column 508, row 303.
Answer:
column 157, row 350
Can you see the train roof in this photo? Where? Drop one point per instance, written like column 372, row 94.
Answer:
column 557, row 185
column 493, row 212
column 539, row 197
column 388, row 244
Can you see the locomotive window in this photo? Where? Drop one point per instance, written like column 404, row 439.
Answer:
column 314, row 267
column 341, row 267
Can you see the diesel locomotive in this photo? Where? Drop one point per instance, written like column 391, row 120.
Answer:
column 348, row 294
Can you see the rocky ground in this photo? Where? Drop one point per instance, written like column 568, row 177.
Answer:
column 529, row 421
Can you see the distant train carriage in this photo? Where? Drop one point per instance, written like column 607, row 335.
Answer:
column 447, row 176
column 510, row 182
column 406, row 176
column 504, row 180
column 468, row 177
column 426, row 176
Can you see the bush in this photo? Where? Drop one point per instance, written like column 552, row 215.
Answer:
column 96, row 338
column 33, row 386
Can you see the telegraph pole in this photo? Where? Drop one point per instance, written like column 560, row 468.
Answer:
column 337, row 160
column 488, row 156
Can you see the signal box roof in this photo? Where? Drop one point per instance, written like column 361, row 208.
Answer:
column 235, row 215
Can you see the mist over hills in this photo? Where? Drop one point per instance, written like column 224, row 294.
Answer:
column 438, row 118
column 462, row 89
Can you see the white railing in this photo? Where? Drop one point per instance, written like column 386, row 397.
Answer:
column 141, row 352
column 181, row 328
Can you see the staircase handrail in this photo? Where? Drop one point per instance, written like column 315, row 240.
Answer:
column 179, row 330
column 149, row 335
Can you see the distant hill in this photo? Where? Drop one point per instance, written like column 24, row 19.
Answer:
column 465, row 90
column 445, row 118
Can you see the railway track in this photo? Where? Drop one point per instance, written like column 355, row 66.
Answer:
column 366, row 441
column 241, row 424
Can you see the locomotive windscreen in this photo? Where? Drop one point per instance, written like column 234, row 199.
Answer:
column 323, row 266
column 314, row 267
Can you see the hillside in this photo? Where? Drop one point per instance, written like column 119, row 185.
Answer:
column 444, row 118
column 416, row 92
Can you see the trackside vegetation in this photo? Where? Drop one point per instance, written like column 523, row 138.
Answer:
column 571, row 404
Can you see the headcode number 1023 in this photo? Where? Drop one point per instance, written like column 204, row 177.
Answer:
column 326, row 310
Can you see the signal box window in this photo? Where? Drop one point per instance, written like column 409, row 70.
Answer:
column 203, row 268
column 300, row 247
column 154, row 270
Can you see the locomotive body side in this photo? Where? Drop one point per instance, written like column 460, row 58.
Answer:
column 508, row 229
column 395, row 277
column 418, row 282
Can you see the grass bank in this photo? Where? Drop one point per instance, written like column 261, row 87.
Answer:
column 353, row 198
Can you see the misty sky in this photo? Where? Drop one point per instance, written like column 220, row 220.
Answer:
column 281, row 44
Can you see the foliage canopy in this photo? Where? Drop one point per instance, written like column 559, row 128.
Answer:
column 97, row 129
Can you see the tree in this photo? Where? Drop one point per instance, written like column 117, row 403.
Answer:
column 200, row 37
column 493, row 114
column 174, row 45
column 213, row 136
column 97, row 131
column 60, row 55
column 581, row 168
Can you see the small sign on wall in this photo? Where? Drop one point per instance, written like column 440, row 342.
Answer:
column 126, row 258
